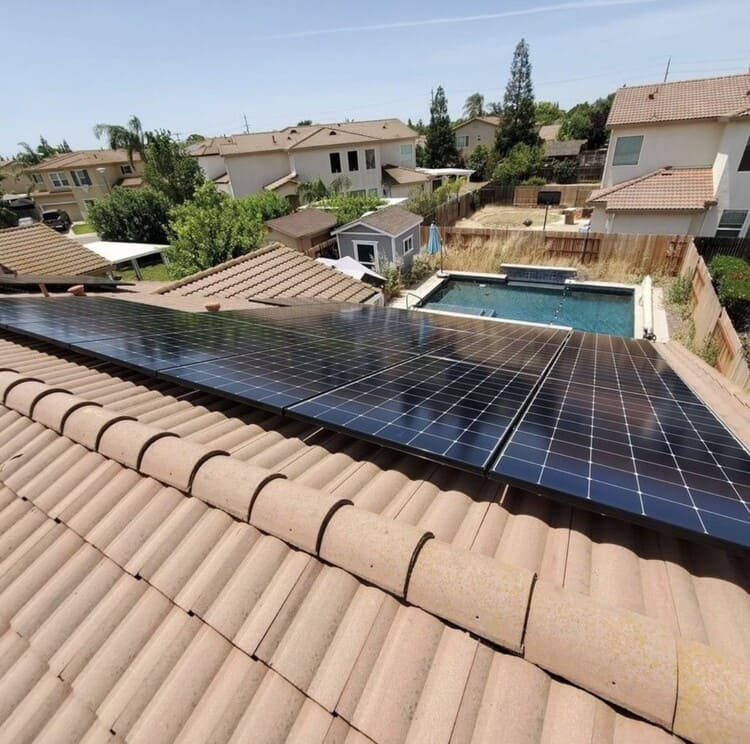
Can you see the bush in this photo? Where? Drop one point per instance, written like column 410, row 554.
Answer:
column 132, row 216
column 521, row 163
column 534, row 181
column 393, row 283
column 564, row 171
column 732, row 279
column 680, row 291
column 421, row 268
column 266, row 205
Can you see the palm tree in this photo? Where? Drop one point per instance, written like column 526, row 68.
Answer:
column 474, row 106
column 28, row 156
column 130, row 138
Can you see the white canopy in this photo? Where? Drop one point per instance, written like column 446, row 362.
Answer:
column 120, row 252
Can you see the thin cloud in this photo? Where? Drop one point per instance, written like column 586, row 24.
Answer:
column 559, row 7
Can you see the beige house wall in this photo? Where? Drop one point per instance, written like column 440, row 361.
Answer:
column 479, row 133
column 248, row 174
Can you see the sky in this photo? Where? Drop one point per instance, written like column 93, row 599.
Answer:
column 200, row 67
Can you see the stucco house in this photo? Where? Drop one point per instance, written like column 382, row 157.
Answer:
column 386, row 236
column 280, row 160
column 74, row 180
column 678, row 160
column 479, row 130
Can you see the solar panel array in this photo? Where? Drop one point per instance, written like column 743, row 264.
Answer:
column 599, row 420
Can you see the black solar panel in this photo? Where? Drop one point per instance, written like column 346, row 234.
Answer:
column 444, row 409
column 623, row 433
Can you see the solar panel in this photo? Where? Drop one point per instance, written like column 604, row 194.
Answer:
column 621, row 432
column 447, row 410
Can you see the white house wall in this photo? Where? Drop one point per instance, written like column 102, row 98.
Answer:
column 680, row 144
column 732, row 186
column 660, row 223
column 311, row 164
column 250, row 173
column 390, row 153
column 212, row 166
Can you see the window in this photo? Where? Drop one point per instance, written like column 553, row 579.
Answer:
column 745, row 160
column 357, row 192
column 731, row 222
column 352, row 158
column 407, row 153
column 81, row 177
column 370, row 159
column 59, row 180
column 462, row 140
column 627, row 150
column 408, row 244
column 37, row 178
column 365, row 254
column 372, row 192
column 335, row 159
column 126, row 170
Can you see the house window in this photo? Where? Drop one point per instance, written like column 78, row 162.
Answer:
column 462, row 140
column 352, row 160
column 372, row 192
column 745, row 160
column 407, row 153
column 37, row 178
column 365, row 254
column 731, row 222
column 335, row 159
column 627, row 150
column 59, row 180
column 408, row 243
column 81, row 177
column 370, row 159
column 357, row 192
column 126, row 170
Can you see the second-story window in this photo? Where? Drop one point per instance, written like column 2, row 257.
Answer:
column 406, row 152
column 58, row 180
column 37, row 178
column 126, row 170
column 370, row 159
column 81, row 177
column 627, row 150
column 745, row 159
column 335, row 159
column 353, row 160
column 462, row 140
column 731, row 222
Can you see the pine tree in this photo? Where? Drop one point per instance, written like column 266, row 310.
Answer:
column 440, row 145
column 518, row 123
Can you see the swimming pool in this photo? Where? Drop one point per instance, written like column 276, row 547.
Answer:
column 598, row 309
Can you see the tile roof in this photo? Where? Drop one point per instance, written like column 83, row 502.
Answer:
column 401, row 175
column 38, row 249
column 83, row 159
column 306, row 137
column 130, row 182
column 493, row 121
column 562, row 148
column 272, row 604
column 392, row 220
column 666, row 189
column 708, row 98
column 549, row 132
column 272, row 271
column 305, row 222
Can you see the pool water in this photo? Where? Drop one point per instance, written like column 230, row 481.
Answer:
column 598, row 310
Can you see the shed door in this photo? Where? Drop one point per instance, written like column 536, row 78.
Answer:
column 366, row 255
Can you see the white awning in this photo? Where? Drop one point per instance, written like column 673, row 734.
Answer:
column 120, row 252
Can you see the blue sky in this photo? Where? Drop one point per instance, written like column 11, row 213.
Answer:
column 197, row 66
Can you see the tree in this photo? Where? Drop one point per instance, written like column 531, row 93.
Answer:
column 266, row 205
column 347, row 207
column 169, row 168
column 131, row 216
column 479, row 162
column 211, row 228
column 32, row 156
column 546, row 112
column 518, row 124
column 311, row 191
column 588, row 121
column 417, row 126
column 440, row 145
column 130, row 138
column 474, row 106
column 419, row 156
column 564, row 171
column 304, row 123
column 521, row 163
column 194, row 139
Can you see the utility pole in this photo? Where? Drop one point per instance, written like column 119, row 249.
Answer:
column 666, row 72
column 247, row 128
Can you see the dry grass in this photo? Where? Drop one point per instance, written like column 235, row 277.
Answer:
column 485, row 256
column 494, row 216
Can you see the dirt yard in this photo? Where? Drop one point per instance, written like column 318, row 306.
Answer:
column 494, row 216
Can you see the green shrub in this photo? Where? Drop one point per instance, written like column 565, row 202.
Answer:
column 421, row 268
column 131, row 216
column 709, row 353
column 393, row 284
column 732, row 279
column 564, row 171
column 534, row 181
column 680, row 291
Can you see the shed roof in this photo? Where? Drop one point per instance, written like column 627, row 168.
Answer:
column 392, row 220
column 305, row 222
column 562, row 148
column 130, row 610
column 707, row 98
column 38, row 249
column 665, row 189
column 399, row 174
column 549, row 132
column 272, row 271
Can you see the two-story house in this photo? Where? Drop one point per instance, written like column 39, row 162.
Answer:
column 479, row 130
column 74, row 180
column 356, row 153
column 678, row 160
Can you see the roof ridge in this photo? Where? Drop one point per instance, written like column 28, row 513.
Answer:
column 623, row 657
column 683, row 82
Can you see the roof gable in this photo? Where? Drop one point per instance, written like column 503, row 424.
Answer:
column 393, row 221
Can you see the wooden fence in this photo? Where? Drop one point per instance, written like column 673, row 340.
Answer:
column 571, row 194
column 452, row 211
column 712, row 324
column 642, row 254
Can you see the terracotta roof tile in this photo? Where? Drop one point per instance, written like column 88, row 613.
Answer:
column 272, row 271
column 707, row 98
column 84, row 159
column 38, row 249
column 675, row 189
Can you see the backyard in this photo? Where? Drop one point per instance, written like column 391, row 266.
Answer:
column 497, row 216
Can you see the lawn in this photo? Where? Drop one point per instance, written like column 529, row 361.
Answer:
column 510, row 217
column 154, row 273
column 83, row 228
